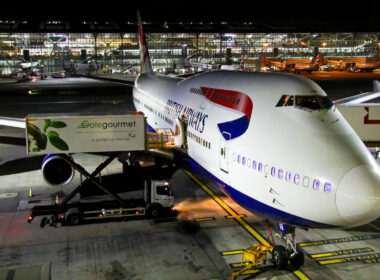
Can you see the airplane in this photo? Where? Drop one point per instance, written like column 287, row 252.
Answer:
column 273, row 142
column 307, row 67
column 368, row 66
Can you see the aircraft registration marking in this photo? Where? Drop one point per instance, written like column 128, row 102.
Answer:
column 340, row 253
column 340, row 240
column 241, row 221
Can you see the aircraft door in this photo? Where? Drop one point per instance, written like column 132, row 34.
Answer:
column 224, row 151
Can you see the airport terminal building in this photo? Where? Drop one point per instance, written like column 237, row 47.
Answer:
column 111, row 47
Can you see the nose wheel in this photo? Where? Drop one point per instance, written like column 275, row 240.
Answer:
column 292, row 253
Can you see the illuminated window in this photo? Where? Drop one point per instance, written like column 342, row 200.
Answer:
column 273, row 171
column 296, row 179
column 249, row 162
column 254, row 164
column 288, row 176
column 234, row 157
column 327, row 187
column 260, row 168
column 316, row 184
column 280, row 174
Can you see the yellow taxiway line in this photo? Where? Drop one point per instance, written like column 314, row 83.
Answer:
column 240, row 220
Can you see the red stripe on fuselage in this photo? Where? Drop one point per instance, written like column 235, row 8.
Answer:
column 229, row 98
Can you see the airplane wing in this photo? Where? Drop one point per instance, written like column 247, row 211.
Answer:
column 363, row 114
column 361, row 98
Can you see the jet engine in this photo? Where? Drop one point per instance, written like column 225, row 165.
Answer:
column 56, row 171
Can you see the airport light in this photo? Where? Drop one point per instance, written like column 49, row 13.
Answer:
column 324, row 44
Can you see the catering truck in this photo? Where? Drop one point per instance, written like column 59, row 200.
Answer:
column 153, row 199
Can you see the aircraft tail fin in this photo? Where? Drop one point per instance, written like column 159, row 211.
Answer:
column 146, row 66
column 242, row 62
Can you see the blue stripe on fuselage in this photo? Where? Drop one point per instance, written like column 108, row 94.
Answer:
column 253, row 205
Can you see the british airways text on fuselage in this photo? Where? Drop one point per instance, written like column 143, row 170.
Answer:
column 196, row 119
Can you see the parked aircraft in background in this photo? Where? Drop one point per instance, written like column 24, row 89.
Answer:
column 368, row 66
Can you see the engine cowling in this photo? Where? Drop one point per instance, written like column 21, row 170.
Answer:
column 56, row 171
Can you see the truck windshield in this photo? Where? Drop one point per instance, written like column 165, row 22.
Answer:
column 164, row 190
column 313, row 102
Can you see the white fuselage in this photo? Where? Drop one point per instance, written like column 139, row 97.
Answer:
column 308, row 159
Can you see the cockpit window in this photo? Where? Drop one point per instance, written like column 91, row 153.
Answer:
column 308, row 102
column 286, row 100
column 313, row 102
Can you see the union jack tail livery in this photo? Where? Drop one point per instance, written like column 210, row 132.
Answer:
column 146, row 66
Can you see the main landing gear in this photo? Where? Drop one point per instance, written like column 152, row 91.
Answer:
column 292, row 253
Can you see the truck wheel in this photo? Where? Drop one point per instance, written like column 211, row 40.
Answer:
column 73, row 219
column 155, row 211
column 43, row 222
column 280, row 257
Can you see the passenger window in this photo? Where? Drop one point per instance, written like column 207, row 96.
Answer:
column 327, row 187
column 254, row 164
column 273, row 171
column 266, row 169
column 296, row 179
column 260, row 168
column 316, row 184
column 249, row 162
column 288, row 176
column 280, row 174
column 305, row 181
column 238, row 159
column 234, row 157
column 244, row 161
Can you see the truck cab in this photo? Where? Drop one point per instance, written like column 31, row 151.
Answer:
column 158, row 196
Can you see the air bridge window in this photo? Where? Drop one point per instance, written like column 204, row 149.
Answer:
column 313, row 102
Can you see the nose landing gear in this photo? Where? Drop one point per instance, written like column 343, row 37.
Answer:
column 292, row 253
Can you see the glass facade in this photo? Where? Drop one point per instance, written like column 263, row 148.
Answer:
column 119, row 52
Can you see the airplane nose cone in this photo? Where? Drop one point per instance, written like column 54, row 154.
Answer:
column 358, row 195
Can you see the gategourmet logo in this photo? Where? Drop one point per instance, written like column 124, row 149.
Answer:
column 105, row 125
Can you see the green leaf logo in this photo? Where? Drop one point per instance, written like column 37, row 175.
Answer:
column 57, row 124
column 59, row 143
column 40, row 138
